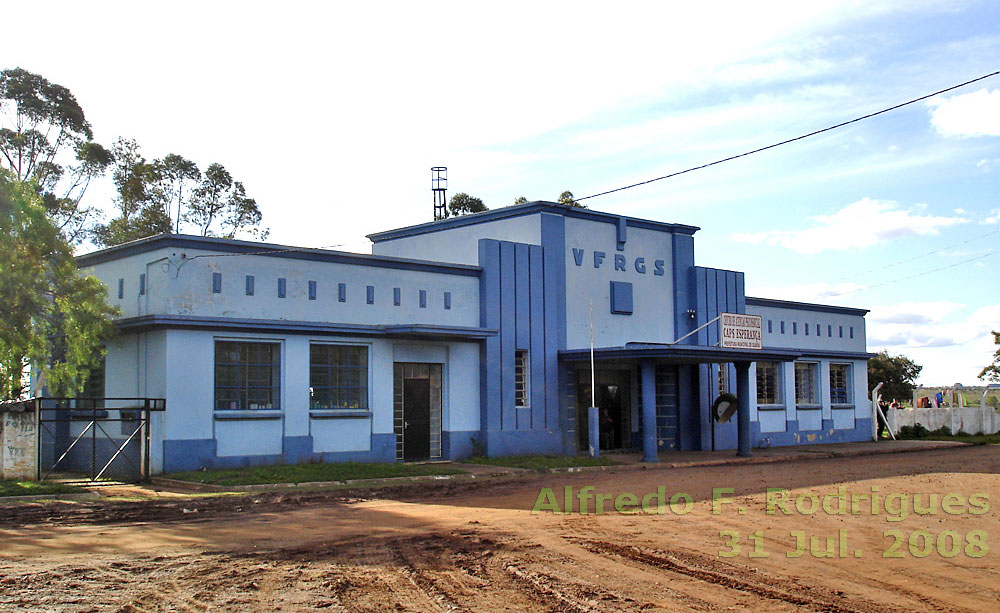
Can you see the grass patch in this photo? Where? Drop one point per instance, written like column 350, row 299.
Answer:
column 541, row 462
column 302, row 473
column 12, row 487
column 974, row 439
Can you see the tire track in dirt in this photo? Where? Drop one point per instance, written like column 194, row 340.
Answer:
column 751, row 581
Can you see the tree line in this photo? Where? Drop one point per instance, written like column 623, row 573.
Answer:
column 46, row 141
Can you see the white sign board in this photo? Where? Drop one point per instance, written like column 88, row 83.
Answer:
column 741, row 331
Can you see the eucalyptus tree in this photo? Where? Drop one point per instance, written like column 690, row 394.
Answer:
column 41, row 125
column 219, row 206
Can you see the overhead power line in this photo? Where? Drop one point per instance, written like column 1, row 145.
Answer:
column 920, row 274
column 923, row 255
column 797, row 138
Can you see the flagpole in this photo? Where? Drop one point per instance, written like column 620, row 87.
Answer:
column 593, row 387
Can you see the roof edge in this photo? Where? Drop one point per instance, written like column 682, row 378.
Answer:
column 805, row 306
column 519, row 210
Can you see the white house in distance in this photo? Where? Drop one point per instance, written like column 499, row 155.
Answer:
column 462, row 335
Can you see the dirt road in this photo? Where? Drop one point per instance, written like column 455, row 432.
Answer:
column 479, row 547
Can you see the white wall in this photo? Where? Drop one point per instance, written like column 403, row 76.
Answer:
column 653, row 296
column 461, row 245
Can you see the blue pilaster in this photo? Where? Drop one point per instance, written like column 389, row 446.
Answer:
column 743, row 408
column 647, row 373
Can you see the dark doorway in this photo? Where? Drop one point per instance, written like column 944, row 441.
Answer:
column 416, row 419
column 614, row 408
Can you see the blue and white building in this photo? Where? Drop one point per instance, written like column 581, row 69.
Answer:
column 467, row 335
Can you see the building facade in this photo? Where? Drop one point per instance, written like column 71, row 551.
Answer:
column 465, row 336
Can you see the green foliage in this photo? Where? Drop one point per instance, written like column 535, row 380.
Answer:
column 55, row 318
column 464, row 204
column 177, row 173
column 897, row 372
column 566, row 198
column 305, row 473
column 138, row 197
column 913, row 432
column 45, row 122
column 520, row 200
column 12, row 487
column 992, row 372
column 220, row 205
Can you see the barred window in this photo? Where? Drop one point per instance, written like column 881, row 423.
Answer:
column 522, row 380
column 806, row 383
column 840, row 384
column 723, row 387
column 247, row 375
column 338, row 376
column 768, row 383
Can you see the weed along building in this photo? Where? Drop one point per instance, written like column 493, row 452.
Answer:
column 470, row 335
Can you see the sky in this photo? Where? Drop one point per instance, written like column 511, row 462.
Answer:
column 332, row 115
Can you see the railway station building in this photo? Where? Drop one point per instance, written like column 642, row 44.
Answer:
column 470, row 335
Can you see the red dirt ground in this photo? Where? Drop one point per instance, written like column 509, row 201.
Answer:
column 477, row 546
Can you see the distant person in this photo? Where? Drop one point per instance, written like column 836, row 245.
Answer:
column 881, row 418
column 895, row 405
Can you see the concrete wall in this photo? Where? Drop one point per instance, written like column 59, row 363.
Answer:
column 18, row 459
column 178, row 282
column 594, row 261
column 461, row 245
column 970, row 420
column 192, row 434
column 797, row 328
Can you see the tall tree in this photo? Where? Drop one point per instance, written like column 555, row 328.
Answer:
column 178, row 174
column 992, row 372
column 139, row 197
column 220, row 205
column 520, row 200
column 566, row 198
column 55, row 316
column 898, row 373
column 39, row 123
column 464, row 204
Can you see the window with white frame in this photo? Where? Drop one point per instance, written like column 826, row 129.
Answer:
column 522, row 379
column 806, row 383
column 840, row 384
column 338, row 376
column 768, row 383
column 247, row 375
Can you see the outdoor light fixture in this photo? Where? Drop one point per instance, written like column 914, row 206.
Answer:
column 691, row 313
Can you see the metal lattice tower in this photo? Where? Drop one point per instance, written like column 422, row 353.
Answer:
column 439, row 185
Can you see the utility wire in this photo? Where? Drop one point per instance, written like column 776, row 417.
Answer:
column 942, row 249
column 792, row 140
column 921, row 274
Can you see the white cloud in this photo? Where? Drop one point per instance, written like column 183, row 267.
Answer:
column 973, row 114
column 988, row 164
column 858, row 225
column 993, row 218
column 950, row 347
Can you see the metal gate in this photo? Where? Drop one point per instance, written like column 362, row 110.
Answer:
column 95, row 438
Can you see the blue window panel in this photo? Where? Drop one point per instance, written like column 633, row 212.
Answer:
column 795, row 327
column 621, row 297
column 829, row 331
column 121, row 288
column 841, row 331
column 423, row 299
column 852, row 331
column 282, row 285
column 250, row 282
column 782, row 327
column 806, row 328
column 142, row 284
column 370, row 294
column 447, row 301
column 770, row 326
column 342, row 292
column 396, row 296
column 312, row 290
column 819, row 331
column 216, row 282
